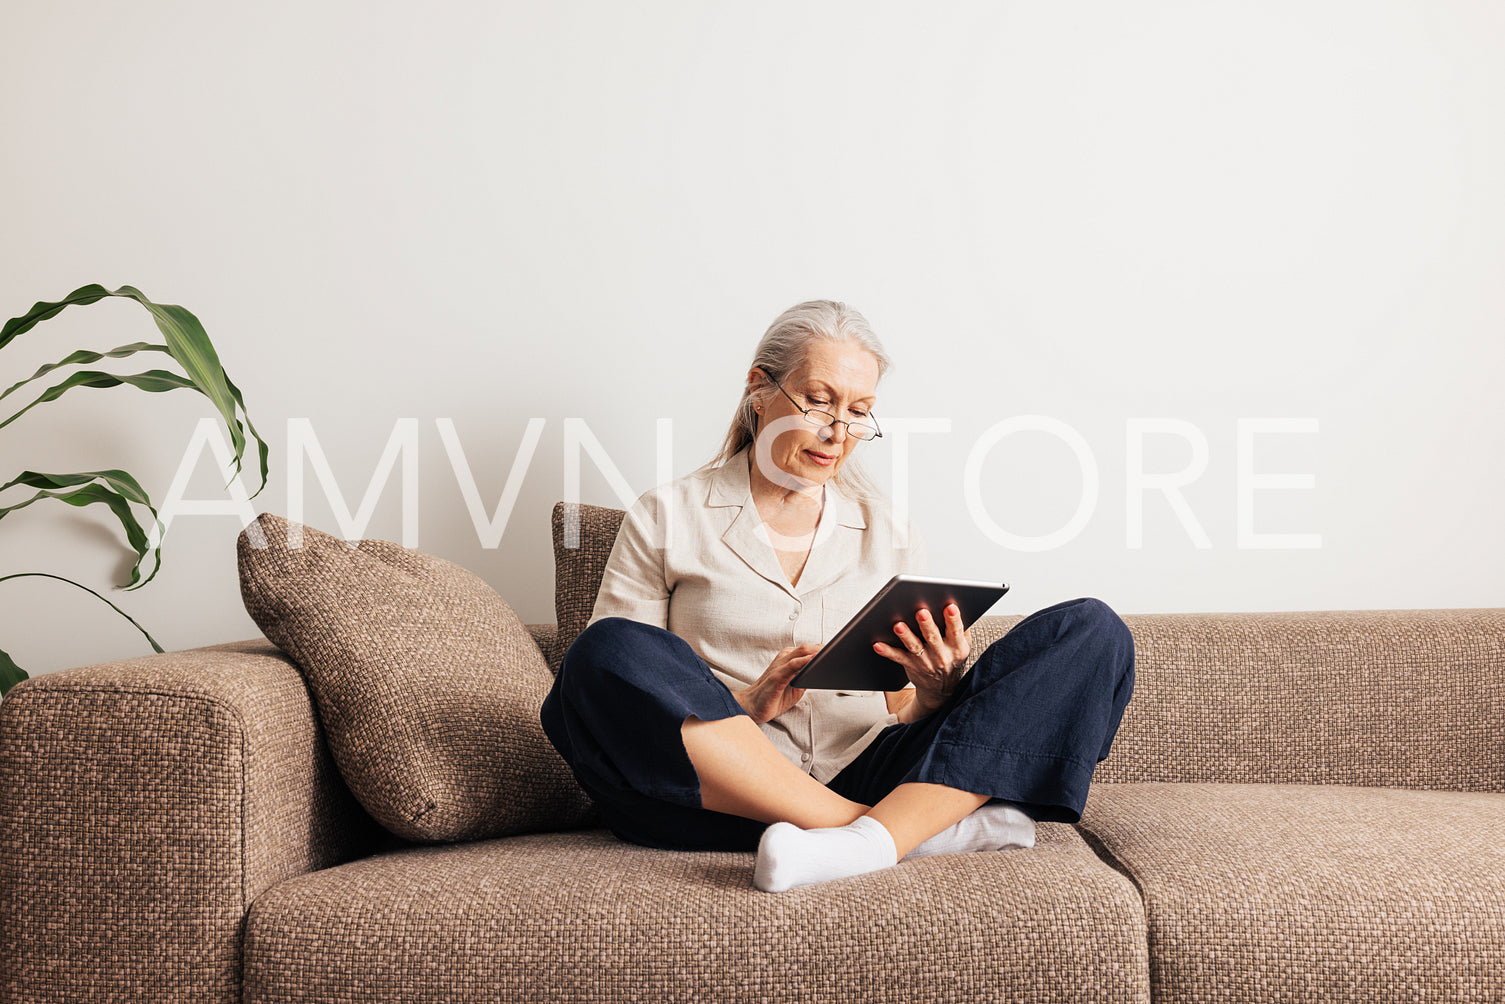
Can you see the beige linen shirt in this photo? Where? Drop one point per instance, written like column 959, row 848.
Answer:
column 694, row 557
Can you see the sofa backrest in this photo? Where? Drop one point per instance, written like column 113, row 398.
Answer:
column 583, row 535
column 1390, row 698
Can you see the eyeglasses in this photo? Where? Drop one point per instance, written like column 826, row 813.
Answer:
column 857, row 430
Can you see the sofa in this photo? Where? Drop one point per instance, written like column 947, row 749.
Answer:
column 1299, row 806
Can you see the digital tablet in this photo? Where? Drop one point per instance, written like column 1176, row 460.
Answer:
column 848, row 662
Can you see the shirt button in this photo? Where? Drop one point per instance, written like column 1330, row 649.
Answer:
column 804, row 758
column 794, row 615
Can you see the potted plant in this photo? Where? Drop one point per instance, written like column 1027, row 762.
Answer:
column 188, row 345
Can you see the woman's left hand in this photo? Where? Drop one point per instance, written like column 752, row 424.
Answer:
column 933, row 662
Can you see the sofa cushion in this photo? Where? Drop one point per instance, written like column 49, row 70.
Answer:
column 427, row 685
column 1313, row 892
column 586, row 917
column 583, row 537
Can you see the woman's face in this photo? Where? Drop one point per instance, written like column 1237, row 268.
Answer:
column 840, row 378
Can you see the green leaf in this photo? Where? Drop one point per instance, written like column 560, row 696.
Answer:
column 10, row 673
column 119, row 480
column 85, row 356
column 155, row 381
column 261, row 444
column 187, row 342
column 125, row 489
column 42, row 311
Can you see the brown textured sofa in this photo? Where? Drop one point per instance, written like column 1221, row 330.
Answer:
column 1298, row 807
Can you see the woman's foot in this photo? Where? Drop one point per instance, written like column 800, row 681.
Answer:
column 996, row 826
column 789, row 856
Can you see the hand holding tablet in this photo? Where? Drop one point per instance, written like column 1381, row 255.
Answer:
column 848, row 662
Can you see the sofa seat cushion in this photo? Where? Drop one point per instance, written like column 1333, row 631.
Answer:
column 583, row 916
column 1288, row 892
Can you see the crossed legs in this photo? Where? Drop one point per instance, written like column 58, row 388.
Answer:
column 672, row 760
column 741, row 773
column 1027, row 725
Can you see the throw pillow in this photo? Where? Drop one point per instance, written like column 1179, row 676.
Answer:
column 426, row 683
column 583, row 537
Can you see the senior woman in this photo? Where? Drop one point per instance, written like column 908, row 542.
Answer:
column 674, row 707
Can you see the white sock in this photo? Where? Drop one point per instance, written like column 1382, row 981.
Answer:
column 789, row 856
column 993, row 827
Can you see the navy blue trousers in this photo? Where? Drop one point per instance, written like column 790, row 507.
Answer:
column 1026, row 725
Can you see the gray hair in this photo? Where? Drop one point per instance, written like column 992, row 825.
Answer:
column 783, row 349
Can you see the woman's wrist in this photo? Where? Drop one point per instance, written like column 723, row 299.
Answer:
column 911, row 704
column 752, row 706
column 912, row 712
column 923, row 706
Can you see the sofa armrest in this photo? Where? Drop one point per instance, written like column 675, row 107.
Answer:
column 143, row 805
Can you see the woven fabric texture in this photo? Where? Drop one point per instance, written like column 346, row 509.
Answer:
column 427, row 684
column 543, row 637
column 1303, row 893
column 1401, row 698
column 144, row 805
column 583, row 536
column 584, row 917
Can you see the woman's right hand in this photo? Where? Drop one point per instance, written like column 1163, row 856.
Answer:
column 771, row 696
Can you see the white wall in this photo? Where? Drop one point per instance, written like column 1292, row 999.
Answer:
column 491, row 212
